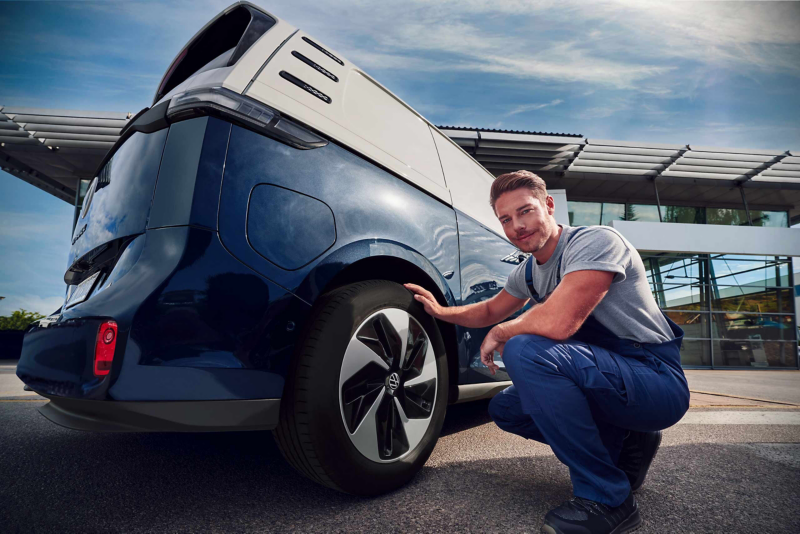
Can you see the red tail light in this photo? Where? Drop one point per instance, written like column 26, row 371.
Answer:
column 104, row 348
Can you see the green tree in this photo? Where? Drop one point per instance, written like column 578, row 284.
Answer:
column 19, row 320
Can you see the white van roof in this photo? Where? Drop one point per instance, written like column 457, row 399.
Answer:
column 298, row 75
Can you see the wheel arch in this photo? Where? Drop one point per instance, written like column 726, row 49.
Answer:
column 399, row 264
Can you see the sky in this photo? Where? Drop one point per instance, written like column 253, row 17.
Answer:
column 707, row 73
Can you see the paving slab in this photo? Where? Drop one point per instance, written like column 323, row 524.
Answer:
column 11, row 387
column 705, row 399
column 768, row 385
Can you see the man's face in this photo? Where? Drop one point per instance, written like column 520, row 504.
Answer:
column 527, row 222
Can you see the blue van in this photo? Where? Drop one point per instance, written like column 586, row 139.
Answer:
column 237, row 264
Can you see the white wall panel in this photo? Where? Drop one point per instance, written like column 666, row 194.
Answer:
column 710, row 238
column 560, row 200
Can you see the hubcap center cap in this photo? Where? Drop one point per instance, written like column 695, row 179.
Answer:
column 393, row 382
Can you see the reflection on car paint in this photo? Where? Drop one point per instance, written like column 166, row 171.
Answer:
column 369, row 205
column 485, row 267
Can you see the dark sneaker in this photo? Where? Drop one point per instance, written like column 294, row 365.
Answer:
column 638, row 451
column 582, row 516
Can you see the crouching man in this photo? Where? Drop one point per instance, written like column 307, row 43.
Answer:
column 595, row 363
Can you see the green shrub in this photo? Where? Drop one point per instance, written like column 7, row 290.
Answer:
column 19, row 320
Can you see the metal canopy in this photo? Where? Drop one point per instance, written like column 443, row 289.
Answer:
column 54, row 149
column 624, row 171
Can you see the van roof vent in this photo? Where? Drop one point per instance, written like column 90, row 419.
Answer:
column 313, row 65
column 318, row 47
column 303, row 85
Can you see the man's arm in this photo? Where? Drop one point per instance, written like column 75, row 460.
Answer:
column 476, row 315
column 559, row 317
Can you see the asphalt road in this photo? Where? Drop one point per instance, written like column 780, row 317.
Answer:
column 712, row 477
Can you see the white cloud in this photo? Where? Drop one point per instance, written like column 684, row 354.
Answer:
column 625, row 44
column 532, row 107
column 638, row 45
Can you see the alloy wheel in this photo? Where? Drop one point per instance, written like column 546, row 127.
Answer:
column 387, row 385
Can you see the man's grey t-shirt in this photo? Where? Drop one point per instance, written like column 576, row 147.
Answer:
column 628, row 309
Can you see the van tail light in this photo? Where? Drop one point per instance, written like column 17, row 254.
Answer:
column 104, row 348
column 242, row 110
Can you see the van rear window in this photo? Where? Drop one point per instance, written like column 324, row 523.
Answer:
column 234, row 31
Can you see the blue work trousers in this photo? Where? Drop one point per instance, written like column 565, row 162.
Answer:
column 581, row 400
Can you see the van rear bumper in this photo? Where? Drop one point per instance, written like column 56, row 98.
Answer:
column 166, row 416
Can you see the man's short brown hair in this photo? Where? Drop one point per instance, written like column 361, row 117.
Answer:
column 512, row 181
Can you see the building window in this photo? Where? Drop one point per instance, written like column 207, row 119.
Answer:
column 594, row 213
column 736, row 217
column 735, row 310
column 683, row 214
column 674, row 214
column 642, row 212
column 612, row 212
column 583, row 213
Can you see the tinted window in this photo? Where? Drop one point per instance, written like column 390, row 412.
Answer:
column 612, row 212
column 642, row 212
column 735, row 217
column 583, row 213
column 121, row 200
column 592, row 213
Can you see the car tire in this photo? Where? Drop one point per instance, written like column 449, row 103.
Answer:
column 354, row 416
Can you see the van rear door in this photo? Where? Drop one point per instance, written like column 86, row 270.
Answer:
column 117, row 203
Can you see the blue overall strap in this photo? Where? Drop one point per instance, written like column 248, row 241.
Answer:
column 529, row 279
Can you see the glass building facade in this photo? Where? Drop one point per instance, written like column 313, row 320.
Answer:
column 736, row 311
column 589, row 213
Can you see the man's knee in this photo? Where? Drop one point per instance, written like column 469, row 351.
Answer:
column 503, row 406
column 507, row 413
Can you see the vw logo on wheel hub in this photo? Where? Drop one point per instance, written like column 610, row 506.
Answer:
column 394, row 381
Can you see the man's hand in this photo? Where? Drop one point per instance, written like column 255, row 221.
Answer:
column 432, row 307
column 491, row 343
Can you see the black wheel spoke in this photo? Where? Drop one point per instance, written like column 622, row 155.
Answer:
column 416, row 358
column 392, row 440
column 418, row 400
column 359, row 392
column 380, row 335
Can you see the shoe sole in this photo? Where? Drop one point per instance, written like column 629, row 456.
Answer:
column 631, row 523
column 652, row 450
